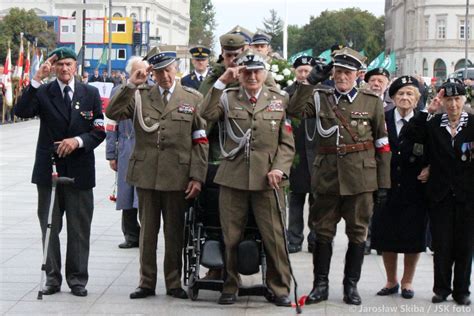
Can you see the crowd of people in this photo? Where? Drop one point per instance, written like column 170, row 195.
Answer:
column 393, row 157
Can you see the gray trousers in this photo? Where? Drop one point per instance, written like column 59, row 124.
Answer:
column 78, row 206
column 130, row 226
column 296, row 220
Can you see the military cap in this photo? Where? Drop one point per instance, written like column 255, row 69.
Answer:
column 380, row 71
column 200, row 52
column 152, row 52
column 261, row 38
column 246, row 34
column 348, row 58
column 304, row 60
column 232, row 42
column 161, row 59
column 63, row 53
column 453, row 87
column 401, row 82
column 251, row 60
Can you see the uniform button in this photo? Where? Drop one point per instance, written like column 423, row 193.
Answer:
column 343, row 109
column 254, row 128
column 162, row 138
column 253, row 138
column 398, row 168
column 163, row 118
column 399, row 185
column 252, row 149
column 341, row 137
column 254, row 118
column 162, row 128
column 399, row 153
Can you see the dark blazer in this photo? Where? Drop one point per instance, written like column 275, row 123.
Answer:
column 86, row 121
column 191, row 81
column 450, row 172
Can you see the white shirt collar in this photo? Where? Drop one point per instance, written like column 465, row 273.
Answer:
column 256, row 95
column 62, row 84
column 170, row 90
column 398, row 120
column 204, row 74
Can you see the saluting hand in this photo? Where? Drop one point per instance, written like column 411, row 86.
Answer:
column 140, row 76
column 274, row 178
column 231, row 75
column 45, row 68
column 66, row 147
column 435, row 104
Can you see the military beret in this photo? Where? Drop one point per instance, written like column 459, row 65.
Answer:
column 260, row 38
column 200, row 52
column 348, row 58
column 251, row 59
column 63, row 53
column 304, row 60
column 453, row 87
column 162, row 59
column 380, row 71
column 232, row 41
column 401, row 82
column 246, row 34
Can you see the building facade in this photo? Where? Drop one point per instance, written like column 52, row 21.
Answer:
column 429, row 36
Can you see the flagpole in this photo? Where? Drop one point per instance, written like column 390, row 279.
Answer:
column 285, row 32
column 110, row 39
column 467, row 36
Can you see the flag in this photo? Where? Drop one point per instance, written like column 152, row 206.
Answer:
column 389, row 63
column 362, row 52
column 326, row 55
column 7, row 80
column 308, row 52
column 80, row 60
column 103, row 58
column 26, row 73
column 377, row 62
column 37, row 60
column 19, row 64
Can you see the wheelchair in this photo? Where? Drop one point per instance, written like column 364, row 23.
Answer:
column 204, row 246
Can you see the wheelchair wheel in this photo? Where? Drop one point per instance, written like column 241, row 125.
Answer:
column 193, row 290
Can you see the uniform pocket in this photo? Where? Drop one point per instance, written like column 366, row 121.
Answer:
column 318, row 160
column 370, row 163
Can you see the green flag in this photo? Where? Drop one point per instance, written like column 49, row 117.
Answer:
column 103, row 58
column 389, row 63
column 377, row 62
column 326, row 55
column 308, row 52
column 362, row 52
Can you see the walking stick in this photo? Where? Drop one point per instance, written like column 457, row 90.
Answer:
column 55, row 181
column 285, row 238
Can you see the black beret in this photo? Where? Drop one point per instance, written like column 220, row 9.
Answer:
column 401, row 82
column 453, row 87
column 200, row 52
column 376, row 71
column 304, row 60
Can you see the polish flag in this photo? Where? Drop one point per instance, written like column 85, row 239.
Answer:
column 7, row 79
column 288, row 127
column 19, row 64
column 26, row 73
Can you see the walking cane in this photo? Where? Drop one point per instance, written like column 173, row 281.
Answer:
column 285, row 238
column 55, row 181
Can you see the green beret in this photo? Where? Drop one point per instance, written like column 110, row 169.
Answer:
column 232, row 41
column 63, row 53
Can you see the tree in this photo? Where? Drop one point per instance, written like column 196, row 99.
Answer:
column 274, row 27
column 21, row 21
column 203, row 24
column 351, row 26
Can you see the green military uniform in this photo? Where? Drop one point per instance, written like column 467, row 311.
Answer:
column 162, row 164
column 243, row 178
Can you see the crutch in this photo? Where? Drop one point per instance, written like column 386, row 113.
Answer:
column 285, row 238
column 55, row 181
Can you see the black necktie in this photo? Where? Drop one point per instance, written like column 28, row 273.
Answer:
column 404, row 122
column 165, row 97
column 200, row 78
column 67, row 99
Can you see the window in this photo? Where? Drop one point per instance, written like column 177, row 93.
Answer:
column 427, row 28
column 118, row 27
column 121, row 54
column 65, row 29
column 425, row 68
column 117, row 15
column 73, row 28
column 133, row 16
column 440, row 69
column 441, row 28
column 462, row 29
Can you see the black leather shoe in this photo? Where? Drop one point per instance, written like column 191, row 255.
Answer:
column 128, row 244
column 318, row 294
column 51, row 289
column 79, row 291
column 227, row 299
column 438, row 298
column 141, row 293
column 177, row 293
column 407, row 293
column 351, row 296
column 292, row 248
column 463, row 300
column 283, row 300
column 388, row 291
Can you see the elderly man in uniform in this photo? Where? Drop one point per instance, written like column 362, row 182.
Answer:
column 254, row 167
column 352, row 161
column 261, row 43
column 71, row 126
column 300, row 175
column 167, row 166
column 200, row 60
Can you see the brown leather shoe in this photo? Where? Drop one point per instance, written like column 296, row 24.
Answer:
column 177, row 293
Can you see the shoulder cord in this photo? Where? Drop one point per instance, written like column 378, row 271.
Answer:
column 326, row 133
column 138, row 113
column 225, row 129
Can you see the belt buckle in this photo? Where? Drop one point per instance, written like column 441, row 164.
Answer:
column 341, row 150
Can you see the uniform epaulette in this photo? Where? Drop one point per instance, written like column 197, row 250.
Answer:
column 368, row 92
column 144, row 86
column 322, row 89
column 232, row 89
column 193, row 91
column 276, row 90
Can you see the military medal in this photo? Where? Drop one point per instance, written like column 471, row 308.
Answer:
column 273, row 123
column 463, row 157
column 418, row 149
column 77, row 106
column 354, row 123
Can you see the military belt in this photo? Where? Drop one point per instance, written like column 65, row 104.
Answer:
column 341, row 150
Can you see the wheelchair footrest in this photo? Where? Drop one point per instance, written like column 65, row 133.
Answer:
column 253, row 290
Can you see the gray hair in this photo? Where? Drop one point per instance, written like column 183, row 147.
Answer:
column 131, row 61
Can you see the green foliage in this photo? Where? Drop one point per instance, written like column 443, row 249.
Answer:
column 18, row 21
column 203, row 24
column 273, row 26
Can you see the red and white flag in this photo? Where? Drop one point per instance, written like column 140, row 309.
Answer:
column 19, row 64
column 26, row 72
column 7, row 79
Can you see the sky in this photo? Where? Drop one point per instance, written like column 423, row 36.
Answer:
column 250, row 13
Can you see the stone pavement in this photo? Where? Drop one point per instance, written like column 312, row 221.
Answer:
column 114, row 272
